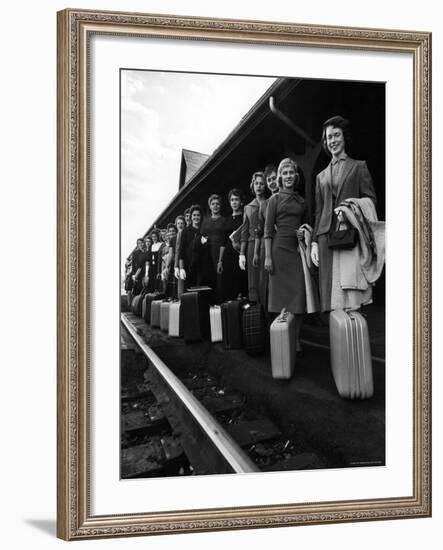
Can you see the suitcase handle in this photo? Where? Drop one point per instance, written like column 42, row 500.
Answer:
column 283, row 317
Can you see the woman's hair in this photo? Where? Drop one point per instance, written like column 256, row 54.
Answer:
column 336, row 122
column 214, row 196
column 236, row 193
column 180, row 217
column 195, row 207
column 255, row 175
column 269, row 168
column 288, row 162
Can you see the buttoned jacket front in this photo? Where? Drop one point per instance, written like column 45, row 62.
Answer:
column 356, row 182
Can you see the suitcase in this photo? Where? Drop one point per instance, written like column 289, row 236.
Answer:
column 216, row 324
column 144, row 305
column 136, row 305
column 351, row 359
column 124, row 307
column 254, row 329
column 180, row 288
column 164, row 315
column 147, row 301
column 174, row 328
column 194, row 312
column 282, row 333
column 231, row 314
column 155, row 313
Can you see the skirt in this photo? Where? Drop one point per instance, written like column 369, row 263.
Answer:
column 253, row 274
column 286, row 282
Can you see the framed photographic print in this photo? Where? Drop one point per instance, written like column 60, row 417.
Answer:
column 243, row 274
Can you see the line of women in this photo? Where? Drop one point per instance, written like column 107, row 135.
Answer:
column 266, row 252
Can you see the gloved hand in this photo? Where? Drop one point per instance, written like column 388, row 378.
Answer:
column 176, row 272
column 314, row 254
column 341, row 217
column 242, row 262
column 182, row 274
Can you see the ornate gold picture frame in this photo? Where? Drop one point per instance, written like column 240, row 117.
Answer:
column 76, row 519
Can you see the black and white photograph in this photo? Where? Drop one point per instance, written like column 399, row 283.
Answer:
column 252, row 269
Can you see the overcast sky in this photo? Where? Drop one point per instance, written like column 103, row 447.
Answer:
column 163, row 113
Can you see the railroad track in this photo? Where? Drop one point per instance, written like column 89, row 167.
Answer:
column 188, row 422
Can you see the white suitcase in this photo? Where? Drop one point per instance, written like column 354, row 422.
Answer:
column 283, row 354
column 216, row 324
column 351, row 359
column 164, row 315
column 174, row 319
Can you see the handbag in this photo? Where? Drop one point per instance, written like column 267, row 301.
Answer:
column 342, row 237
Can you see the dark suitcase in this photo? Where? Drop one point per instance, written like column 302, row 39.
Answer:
column 147, row 301
column 136, row 305
column 124, row 303
column 254, row 329
column 231, row 314
column 194, row 314
column 351, row 359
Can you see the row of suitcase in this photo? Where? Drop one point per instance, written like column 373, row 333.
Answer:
column 238, row 324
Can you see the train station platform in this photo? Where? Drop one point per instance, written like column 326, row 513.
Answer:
column 306, row 408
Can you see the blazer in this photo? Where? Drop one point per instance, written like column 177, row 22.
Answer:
column 356, row 183
column 250, row 221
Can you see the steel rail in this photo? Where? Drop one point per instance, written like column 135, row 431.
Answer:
column 238, row 461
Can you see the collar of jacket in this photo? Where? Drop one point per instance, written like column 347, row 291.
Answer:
column 343, row 156
column 254, row 203
column 348, row 164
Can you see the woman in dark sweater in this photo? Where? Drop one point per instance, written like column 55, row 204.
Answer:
column 190, row 251
column 155, row 262
column 235, row 281
column 213, row 245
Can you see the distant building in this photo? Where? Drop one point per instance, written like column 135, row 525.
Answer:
column 190, row 164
